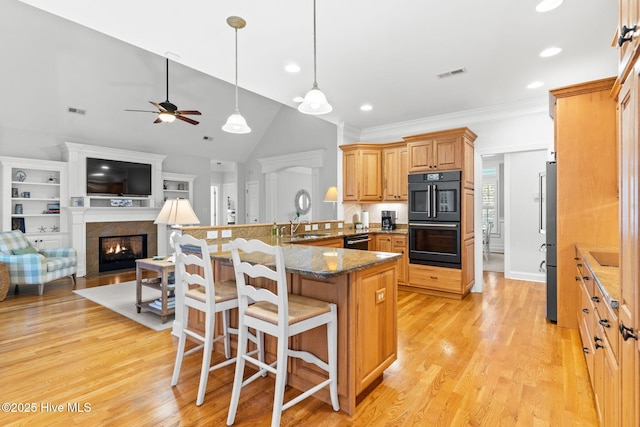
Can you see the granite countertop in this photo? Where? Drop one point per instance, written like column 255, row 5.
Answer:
column 313, row 261
column 322, row 235
column 607, row 277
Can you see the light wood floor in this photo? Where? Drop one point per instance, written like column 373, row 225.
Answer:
column 489, row 360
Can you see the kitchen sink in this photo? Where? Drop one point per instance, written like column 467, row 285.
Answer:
column 607, row 259
column 307, row 236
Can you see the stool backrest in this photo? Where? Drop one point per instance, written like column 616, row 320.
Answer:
column 193, row 252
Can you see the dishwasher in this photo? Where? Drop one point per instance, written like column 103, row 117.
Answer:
column 357, row 241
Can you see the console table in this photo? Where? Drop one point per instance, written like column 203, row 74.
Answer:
column 159, row 266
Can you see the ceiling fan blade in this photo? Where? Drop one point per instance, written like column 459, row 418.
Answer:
column 158, row 106
column 186, row 119
column 157, row 120
column 143, row 111
column 191, row 112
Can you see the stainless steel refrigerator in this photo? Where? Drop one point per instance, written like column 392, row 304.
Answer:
column 550, row 245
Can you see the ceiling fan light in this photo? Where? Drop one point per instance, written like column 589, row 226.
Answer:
column 236, row 124
column 166, row 117
column 315, row 103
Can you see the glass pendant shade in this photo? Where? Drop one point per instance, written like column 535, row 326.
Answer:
column 315, row 102
column 236, row 124
column 166, row 117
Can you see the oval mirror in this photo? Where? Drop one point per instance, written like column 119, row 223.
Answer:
column 303, row 202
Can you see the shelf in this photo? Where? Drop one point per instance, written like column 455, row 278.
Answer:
column 51, row 215
column 44, row 184
column 147, row 306
column 34, row 199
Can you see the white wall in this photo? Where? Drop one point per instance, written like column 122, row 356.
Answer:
column 290, row 181
column 523, row 241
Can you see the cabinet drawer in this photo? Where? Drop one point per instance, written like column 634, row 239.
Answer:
column 438, row 278
column 587, row 346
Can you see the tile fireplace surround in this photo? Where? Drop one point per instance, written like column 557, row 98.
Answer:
column 95, row 230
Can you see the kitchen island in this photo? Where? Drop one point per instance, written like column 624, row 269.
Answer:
column 363, row 285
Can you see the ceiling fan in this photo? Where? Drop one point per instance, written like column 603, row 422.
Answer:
column 168, row 112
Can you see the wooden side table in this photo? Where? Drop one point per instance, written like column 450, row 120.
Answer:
column 4, row 280
column 164, row 268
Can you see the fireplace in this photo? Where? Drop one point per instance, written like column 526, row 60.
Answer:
column 121, row 252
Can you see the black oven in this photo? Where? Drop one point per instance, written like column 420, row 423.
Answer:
column 435, row 243
column 357, row 241
column 435, row 196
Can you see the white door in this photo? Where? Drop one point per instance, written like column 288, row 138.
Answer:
column 215, row 205
column 252, row 201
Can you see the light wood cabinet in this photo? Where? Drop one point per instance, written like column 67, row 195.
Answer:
column 587, row 200
column 330, row 243
column 396, row 243
column 395, row 186
column 362, row 172
column 629, row 310
column 376, row 304
column 444, row 150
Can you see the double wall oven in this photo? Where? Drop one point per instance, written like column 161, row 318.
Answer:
column 434, row 219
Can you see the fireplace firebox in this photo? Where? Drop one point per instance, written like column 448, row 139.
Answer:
column 121, row 252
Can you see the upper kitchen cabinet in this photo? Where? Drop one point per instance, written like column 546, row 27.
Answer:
column 440, row 151
column 627, row 36
column 395, row 166
column 362, row 172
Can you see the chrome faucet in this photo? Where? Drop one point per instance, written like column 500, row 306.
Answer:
column 294, row 225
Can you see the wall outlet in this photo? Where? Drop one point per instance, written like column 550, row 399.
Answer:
column 327, row 226
column 381, row 295
column 226, row 234
column 212, row 234
column 314, row 227
column 226, row 247
column 307, row 227
column 213, row 248
column 340, row 225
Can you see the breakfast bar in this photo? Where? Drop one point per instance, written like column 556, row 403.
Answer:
column 363, row 284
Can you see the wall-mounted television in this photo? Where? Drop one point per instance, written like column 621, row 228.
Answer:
column 116, row 177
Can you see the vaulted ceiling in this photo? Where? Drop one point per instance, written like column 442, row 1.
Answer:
column 386, row 54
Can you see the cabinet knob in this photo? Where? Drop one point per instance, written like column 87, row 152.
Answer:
column 585, row 350
column 595, row 299
column 597, row 341
column 623, row 34
column 586, row 278
column 585, row 310
column 434, row 277
column 627, row 332
column 577, row 278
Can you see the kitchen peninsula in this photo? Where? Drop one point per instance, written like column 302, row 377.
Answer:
column 363, row 284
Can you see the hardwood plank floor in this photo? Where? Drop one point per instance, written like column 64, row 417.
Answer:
column 489, row 360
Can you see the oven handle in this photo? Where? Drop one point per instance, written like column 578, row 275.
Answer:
column 435, row 201
column 353, row 242
column 434, row 225
column 429, row 201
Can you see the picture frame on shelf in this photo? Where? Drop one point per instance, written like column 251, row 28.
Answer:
column 77, row 202
column 18, row 224
column 14, row 192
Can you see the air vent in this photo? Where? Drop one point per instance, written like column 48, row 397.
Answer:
column 207, row 138
column 76, row 111
column 451, row 73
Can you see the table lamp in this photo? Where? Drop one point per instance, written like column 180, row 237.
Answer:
column 175, row 213
column 332, row 195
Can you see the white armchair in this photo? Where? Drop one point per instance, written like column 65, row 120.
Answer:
column 30, row 266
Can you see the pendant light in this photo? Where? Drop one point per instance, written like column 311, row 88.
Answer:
column 236, row 123
column 314, row 101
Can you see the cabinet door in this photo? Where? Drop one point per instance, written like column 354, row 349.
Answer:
column 402, row 173
column 448, row 153
column 420, row 156
column 628, row 312
column 390, row 167
column 349, row 174
column 371, row 175
column 628, row 16
column 399, row 244
column 376, row 313
column 383, row 243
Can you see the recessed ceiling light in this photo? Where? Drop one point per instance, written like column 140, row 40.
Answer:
column 366, row 107
column 298, row 99
column 292, row 68
column 547, row 5
column 552, row 51
column 535, row 85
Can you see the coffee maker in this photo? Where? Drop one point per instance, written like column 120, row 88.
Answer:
column 388, row 220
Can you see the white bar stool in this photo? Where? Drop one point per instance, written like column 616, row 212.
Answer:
column 282, row 316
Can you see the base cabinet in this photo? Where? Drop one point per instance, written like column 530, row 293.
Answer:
column 396, row 243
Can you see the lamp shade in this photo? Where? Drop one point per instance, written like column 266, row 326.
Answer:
column 331, row 195
column 236, row 124
column 177, row 212
column 315, row 103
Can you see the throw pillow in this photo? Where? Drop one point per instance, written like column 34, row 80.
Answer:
column 27, row 250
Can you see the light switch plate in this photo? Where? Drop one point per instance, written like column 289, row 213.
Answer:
column 226, row 233
column 307, row 227
column 212, row 234
column 327, row 226
column 340, row 225
column 226, row 247
column 314, row 227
